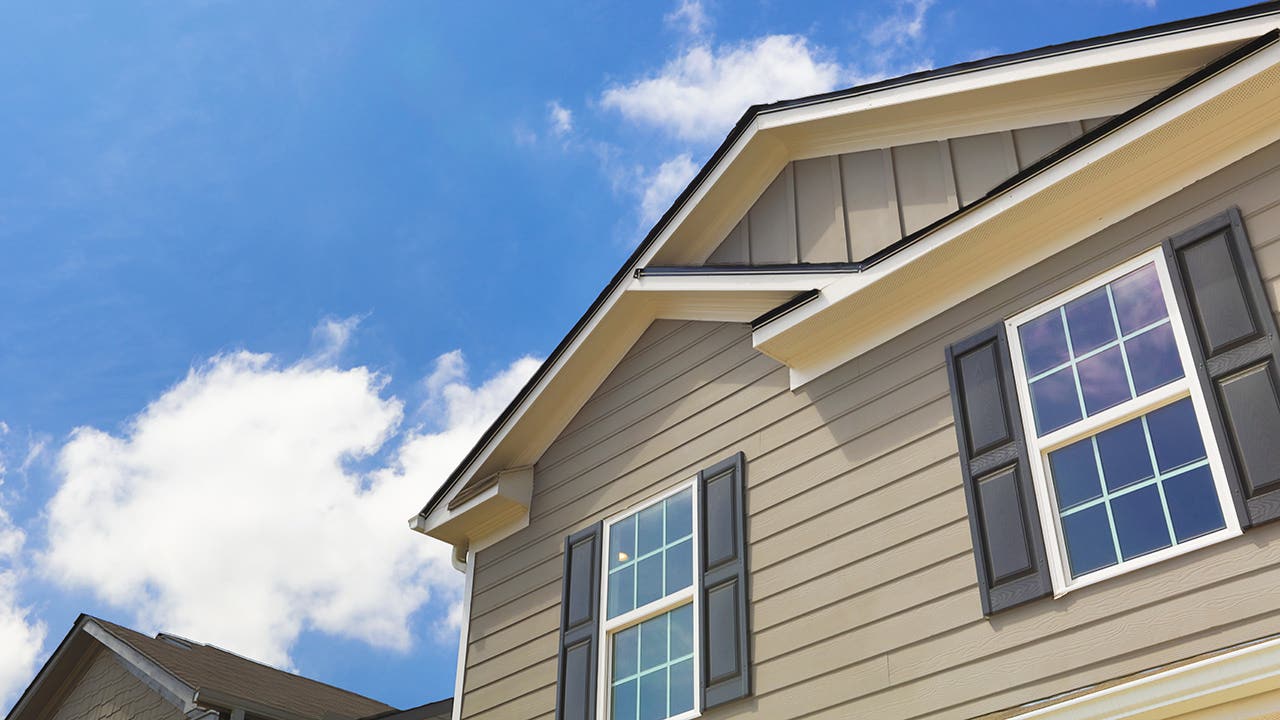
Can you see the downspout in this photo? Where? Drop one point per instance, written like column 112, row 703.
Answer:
column 469, row 567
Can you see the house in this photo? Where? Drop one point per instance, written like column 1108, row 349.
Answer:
column 948, row 396
column 102, row 670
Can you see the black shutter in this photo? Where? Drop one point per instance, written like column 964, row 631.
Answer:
column 1003, row 519
column 1235, row 346
column 579, row 627
column 722, row 518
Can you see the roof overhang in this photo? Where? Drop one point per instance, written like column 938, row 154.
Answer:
column 1105, row 76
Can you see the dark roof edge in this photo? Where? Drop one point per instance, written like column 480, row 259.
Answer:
column 720, row 270
column 740, row 127
column 426, row 710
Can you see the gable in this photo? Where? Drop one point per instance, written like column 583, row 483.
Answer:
column 106, row 688
column 843, row 208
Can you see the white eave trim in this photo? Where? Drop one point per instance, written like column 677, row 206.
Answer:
column 165, row 683
column 735, row 282
column 1231, row 676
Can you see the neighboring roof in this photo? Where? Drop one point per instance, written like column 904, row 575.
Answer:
column 748, row 117
column 212, row 671
column 438, row 710
column 194, row 674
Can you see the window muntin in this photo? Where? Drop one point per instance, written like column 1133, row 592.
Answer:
column 1124, row 463
column 649, row 666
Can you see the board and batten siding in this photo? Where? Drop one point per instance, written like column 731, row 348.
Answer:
column 863, row 587
column 843, row 208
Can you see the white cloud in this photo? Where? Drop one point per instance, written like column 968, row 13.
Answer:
column 229, row 509
column 690, row 16
column 21, row 635
column 662, row 186
column 698, row 95
column 560, row 118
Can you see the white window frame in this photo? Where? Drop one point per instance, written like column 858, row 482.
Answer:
column 689, row 595
column 1038, row 448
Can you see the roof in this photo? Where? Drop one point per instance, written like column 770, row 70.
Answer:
column 438, row 710
column 200, row 675
column 740, row 128
column 211, row 670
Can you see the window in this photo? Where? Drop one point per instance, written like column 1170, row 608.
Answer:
column 1125, row 467
column 649, row 667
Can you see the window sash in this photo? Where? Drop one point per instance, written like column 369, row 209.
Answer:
column 685, row 596
column 1039, row 447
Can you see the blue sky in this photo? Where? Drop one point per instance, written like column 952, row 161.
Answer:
column 267, row 269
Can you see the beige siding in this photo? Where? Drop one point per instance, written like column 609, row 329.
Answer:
column 864, row 598
column 107, row 689
column 843, row 208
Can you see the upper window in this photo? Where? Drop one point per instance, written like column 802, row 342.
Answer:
column 650, row 633
column 1125, row 466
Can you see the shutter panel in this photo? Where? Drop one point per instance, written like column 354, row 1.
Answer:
column 1236, row 350
column 1007, row 544
column 726, row 647
column 579, row 627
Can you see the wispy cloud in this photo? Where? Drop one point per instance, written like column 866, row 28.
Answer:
column 690, row 16
column 560, row 118
column 168, row 520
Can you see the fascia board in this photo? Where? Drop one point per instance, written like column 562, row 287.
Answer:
column 1230, row 676
column 793, row 339
column 747, row 282
column 154, row 674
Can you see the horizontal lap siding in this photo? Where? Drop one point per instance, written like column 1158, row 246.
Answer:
column 864, row 597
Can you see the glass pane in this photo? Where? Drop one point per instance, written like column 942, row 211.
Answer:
column 1123, row 450
column 653, row 642
column 622, row 541
column 653, row 695
column 1088, row 536
column 1103, row 381
column 1153, row 359
column 622, row 588
column 1139, row 301
column 679, row 566
column 626, row 653
column 679, row 516
column 682, row 631
column 1075, row 474
column 650, row 530
column 1054, row 399
column 1089, row 322
column 681, row 687
column 648, row 580
column 1193, row 504
column 1175, row 435
column 1140, row 524
column 1044, row 344
column 624, row 700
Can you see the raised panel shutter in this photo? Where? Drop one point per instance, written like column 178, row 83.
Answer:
column 579, row 627
column 726, row 647
column 1236, row 350
column 1007, row 545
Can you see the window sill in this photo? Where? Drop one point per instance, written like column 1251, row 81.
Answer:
column 1147, row 560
